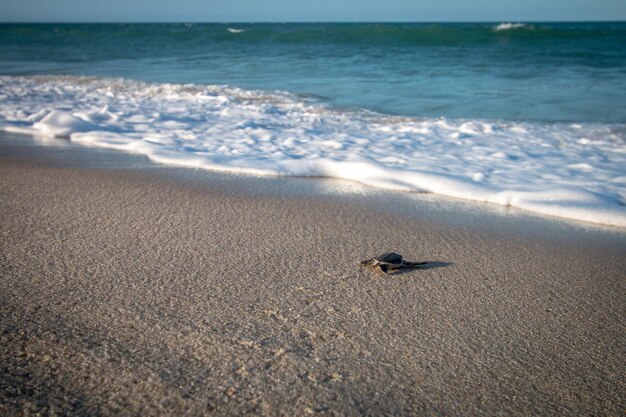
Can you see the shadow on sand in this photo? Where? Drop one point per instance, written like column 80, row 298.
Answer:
column 429, row 265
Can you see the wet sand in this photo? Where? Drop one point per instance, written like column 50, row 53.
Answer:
column 131, row 292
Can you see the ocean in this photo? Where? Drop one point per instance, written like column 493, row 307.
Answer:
column 530, row 115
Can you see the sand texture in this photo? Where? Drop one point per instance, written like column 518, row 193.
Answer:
column 124, row 293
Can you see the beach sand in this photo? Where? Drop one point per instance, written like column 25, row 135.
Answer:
column 133, row 292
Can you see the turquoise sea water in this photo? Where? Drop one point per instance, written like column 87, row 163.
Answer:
column 530, row 115
column 572, row 72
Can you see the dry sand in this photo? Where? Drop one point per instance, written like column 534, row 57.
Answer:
column 126, row 292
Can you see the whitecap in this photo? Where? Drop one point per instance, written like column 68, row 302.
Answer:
column 509, row 26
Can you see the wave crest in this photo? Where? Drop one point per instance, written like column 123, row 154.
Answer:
column 510, row 26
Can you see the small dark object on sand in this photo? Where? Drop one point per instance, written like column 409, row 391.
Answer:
column 390, row 261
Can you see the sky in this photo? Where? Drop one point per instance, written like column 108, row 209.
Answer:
column 308, row 10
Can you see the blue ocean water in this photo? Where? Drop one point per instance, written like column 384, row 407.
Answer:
column 526, row 115
column 573, row 72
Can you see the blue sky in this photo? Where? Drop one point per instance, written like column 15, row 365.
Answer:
column 308, row 10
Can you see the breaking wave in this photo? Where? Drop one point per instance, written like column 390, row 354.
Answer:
column 509, row 26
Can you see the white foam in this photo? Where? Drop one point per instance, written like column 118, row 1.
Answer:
column 62, row 124
column 574, row 171
column 509, row 26
column 235, row 30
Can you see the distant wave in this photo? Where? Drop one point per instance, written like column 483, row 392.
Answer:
column 366, row 34
column 509, row 26
column 532, row 166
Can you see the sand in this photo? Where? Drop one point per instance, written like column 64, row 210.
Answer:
column 136, row 292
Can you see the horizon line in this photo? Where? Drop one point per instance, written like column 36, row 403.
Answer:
column 305, row 21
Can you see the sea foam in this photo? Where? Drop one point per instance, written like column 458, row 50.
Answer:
column 575, row 171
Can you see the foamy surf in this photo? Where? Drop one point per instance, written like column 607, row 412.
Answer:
column 574, row 171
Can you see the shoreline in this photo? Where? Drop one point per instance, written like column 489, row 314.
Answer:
column 568, row 170
column 156, row 290
column 64, row 153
